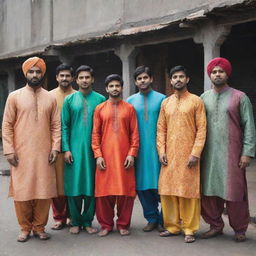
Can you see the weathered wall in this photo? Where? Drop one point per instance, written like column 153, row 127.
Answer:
column 30, row 25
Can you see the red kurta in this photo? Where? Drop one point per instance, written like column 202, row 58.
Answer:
column 115, row 136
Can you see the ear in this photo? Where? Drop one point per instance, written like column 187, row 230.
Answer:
column 188, row 79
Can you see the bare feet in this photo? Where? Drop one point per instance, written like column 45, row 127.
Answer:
column 23, row 236
column 75, row 230
column 91, row 230
column 103, row 232
column 239, row 237
column 124, row 232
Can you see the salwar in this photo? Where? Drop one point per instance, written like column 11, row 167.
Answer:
column 60, row 209
column 238, row 213
column 105, row 211
column 181, row 213
column 32, row 215
column 150, row 200
column 81, row 209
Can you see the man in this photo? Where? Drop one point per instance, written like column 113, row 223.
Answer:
column 181, row 133
column 77, row 118
column 31, row 141
column 230, row 144
column 147, row 103
column 115, row 142
column 64, row 77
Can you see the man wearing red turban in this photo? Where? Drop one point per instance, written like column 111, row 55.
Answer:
column 230, row 145
column 31, row 141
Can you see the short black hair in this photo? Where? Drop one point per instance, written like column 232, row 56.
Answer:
column 64, row 66
column 114, row 77
column 178, row 69
column 84, row 68
column 142, row 69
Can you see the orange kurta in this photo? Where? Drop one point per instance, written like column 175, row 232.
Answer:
column 115, row 136
column 181, row 132
column 60, row 95
column 31, row 129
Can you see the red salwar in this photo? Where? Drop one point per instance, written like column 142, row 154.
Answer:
column 60, row 209
column 105, row 211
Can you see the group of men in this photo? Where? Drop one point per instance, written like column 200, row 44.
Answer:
column 111, row 150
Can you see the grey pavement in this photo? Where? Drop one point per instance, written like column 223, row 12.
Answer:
column 138, row 243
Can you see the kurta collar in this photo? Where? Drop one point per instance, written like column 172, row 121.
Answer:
column 183, row 95
column 115, row 103
column 150, row 92
column 32, row 90
column 83, row 94
column 222, row 91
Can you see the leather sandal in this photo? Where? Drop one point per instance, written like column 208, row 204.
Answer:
column 23, row 237
column 42, row 235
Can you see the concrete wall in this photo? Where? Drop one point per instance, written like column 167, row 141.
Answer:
column 31, row 25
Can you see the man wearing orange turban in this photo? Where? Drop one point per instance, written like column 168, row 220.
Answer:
column 31, row 141
column 230, row 145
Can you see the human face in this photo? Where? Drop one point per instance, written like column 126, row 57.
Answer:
column 143, row 82
column 34, row 76
column 218, row 77
column 114, row 89
column 179, row 81
column 84, row 80
column 64, row 78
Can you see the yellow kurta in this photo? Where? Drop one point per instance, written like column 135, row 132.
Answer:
column 60, row 95
column 181, row 132
column 31, row 129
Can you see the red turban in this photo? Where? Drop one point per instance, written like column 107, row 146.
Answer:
column 220, row 62
column 31, row 62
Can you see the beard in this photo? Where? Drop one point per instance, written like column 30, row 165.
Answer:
column 35, row 81
column 219, row 82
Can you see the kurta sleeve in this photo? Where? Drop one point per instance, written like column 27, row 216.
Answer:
column 247, row 121
column 55, row 127
column 134, row 134
column 200, row 119
column 9, row 120
column 97, row 133
column 161, row 130
column 65, row 126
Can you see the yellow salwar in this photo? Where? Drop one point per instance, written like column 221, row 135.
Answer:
column 181, row 213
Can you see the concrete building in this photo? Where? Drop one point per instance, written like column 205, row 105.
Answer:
column 115, row 36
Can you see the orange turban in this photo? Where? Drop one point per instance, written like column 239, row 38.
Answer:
column 220, row 62
column 31, row 62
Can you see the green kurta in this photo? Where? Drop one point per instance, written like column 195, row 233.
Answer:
column 77, row 121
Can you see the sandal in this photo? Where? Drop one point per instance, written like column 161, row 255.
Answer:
column 91, row 230
column 167, row 233
column 42, row 235
column 189, row 239
column 75, row 230
column 23, row 237
column 124, row 232
column 239, row 237
column 58, row 226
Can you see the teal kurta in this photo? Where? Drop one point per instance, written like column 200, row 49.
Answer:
column 147, row 163
column 230, row 134
column 77, row 121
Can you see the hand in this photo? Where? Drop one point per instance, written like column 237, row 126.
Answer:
column 68, row 158
column 192, row 161
column 163, row 159
column 244, row 162
column 101, row 163
column 12, row 159
column 129, row 162
column 53, row 156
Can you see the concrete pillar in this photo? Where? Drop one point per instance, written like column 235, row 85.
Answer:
column 127, row 53
column 11, row 80
column 212, row 37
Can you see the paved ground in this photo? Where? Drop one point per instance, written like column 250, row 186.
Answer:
column 138, row 243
